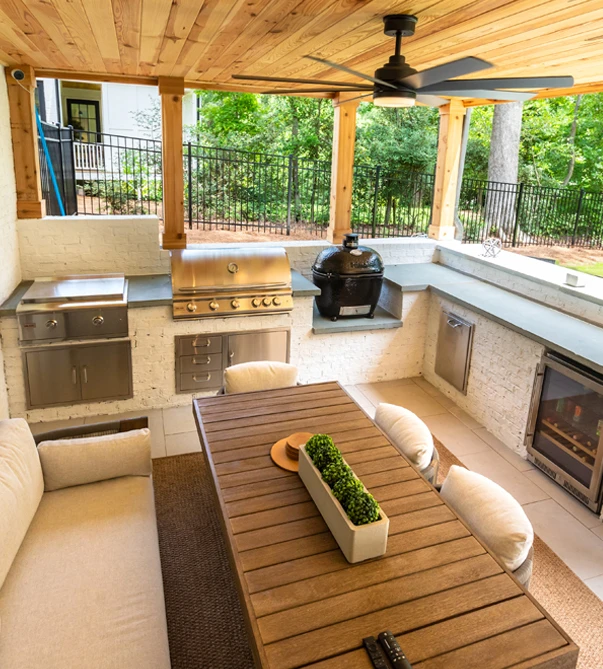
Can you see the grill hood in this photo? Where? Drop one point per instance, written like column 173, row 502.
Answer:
column 230, row 281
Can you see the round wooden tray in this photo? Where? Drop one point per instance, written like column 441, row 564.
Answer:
column 285, row 452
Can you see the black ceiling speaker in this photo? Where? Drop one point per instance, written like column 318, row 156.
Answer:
column 397, row 84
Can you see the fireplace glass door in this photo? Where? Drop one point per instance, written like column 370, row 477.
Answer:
column 568, row 427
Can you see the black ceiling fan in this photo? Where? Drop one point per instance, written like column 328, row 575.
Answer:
column 396, row 84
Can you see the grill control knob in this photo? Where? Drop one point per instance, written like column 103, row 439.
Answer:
column 213, row 305
column 267, row 301
column 235, row 304
column 98, row 320
column 51, row 325
column 191, row 307
column 256, row 302
column 276, row 301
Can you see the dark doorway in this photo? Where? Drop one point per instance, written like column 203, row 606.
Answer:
column 84, row 116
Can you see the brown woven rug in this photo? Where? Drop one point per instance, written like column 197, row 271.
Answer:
column 205, row 622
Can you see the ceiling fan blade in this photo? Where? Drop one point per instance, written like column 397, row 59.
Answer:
column 511, row 82
column 343, row 68
column 431, row 100
column 451, row 70
column 508, row 96
column 290, row 91
column 285, row 80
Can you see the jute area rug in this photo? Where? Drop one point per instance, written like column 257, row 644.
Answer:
column 205, row 623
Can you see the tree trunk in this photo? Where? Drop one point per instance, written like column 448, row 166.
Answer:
column 571, row 140
column 503, row 165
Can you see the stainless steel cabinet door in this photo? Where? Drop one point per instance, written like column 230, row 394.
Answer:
column 105, row 371
column 252, row 346
column 52, row 377
column 454, row 350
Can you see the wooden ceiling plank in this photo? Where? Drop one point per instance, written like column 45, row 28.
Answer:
column 127, row 17
column 101, row 20
column 155, row 15
column 252, row 25
column 181, row 20
column 20, row 42
column 26, row 22
column 74, row 18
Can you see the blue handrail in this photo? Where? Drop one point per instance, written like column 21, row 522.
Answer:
column 49, row 163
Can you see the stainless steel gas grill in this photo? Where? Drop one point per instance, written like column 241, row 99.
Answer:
column 229, row 282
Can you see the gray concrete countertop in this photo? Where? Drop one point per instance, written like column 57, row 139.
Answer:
column 383, row 320
column 154, row 290
column 560, row 332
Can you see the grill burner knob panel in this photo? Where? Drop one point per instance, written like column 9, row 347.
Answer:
column 267, row 301
column 98, row 320
column 51, row 325
column 213, row 305
column 235, row 304
column 276, row 301
column 191, row 307
column 256, row 302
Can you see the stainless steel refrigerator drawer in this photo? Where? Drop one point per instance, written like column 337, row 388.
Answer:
column 202, row 380
column 200, row 363
column 199, row 345
column 453, row 354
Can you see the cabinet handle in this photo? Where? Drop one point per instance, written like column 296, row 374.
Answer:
column 85, row 372
column 231, row 355
column 197, row 380
column 206, row 345
column 74, row 375
column 204, row 362
column 453, row 323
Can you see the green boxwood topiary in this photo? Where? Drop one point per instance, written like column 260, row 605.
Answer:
column 317, row 442
column 322, row 451
column 362, row 508
column 335, row 471
column 346, row 486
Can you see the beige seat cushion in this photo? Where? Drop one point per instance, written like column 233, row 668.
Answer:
column 85, row 590
column 408, row 433
column 263, row 375
column 21, row 489
column 68, row 462
column 493, row 515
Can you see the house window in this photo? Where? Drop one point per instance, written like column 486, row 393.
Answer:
column 84, row 116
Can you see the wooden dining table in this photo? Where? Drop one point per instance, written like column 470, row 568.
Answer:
column 449, row 602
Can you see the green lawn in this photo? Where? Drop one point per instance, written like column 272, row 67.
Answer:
column 596, row 268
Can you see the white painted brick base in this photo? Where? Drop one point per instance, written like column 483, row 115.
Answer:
column 501, row 377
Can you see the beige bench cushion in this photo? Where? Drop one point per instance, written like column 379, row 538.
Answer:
column 21, row 489
column 408, row 433
column 263, row 375
column 85, row 590
column 493, row 515
column 68, row 462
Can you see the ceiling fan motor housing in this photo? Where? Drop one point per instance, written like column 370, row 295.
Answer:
column 399, row 23
column 395, row 70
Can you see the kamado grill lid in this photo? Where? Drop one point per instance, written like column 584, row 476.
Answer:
column 348, row 259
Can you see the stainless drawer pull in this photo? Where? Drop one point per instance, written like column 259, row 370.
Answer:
column 206, row 345
column 197, row 380
column 206, row 361
column 85, row 371
column 74, row 375
column 453, row 323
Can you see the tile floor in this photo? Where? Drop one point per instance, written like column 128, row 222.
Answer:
column 569, row 528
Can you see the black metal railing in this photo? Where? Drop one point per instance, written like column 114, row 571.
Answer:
column 232, row 189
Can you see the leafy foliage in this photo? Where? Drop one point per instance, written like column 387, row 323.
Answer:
column 346, row 488
column 362, row 508
column 335, row 471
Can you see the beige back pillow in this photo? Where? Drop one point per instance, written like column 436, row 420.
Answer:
column 21, row 488
column 493, row 515
column 69, row 462
column 264, row 375
column 408, row 433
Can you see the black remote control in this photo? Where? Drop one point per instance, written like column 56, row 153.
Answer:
column 393, row 651
column 375, row 653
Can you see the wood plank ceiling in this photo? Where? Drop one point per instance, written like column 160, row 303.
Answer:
column 205, row 41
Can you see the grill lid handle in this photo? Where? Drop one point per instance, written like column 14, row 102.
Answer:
column 230, row 289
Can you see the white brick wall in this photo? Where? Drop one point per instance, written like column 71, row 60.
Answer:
column 10, row 271
column 501, row 376
column 55, row 245
column 546, row 293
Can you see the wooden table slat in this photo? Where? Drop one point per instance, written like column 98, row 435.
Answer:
column 449, row 600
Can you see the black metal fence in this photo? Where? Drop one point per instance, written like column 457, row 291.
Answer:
column 231, row 189
column 59, row 142
column 524, row 214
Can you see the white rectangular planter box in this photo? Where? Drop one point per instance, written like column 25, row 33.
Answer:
column 357, row 542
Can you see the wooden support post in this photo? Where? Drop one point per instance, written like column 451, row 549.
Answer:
column 447, row 170
column 22, row 107
column 342, row 166
column 171, row 91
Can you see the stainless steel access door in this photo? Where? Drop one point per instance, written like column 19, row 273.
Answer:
column 252, row 346
column 453, row 353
